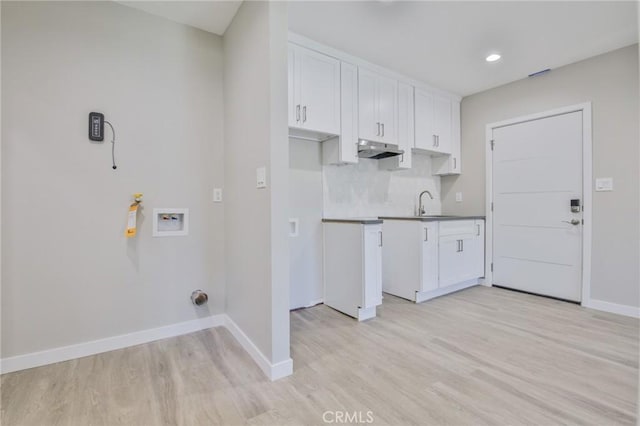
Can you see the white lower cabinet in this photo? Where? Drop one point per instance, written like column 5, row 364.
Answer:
column 353, row 267
column 426, row 259
column 461, row 252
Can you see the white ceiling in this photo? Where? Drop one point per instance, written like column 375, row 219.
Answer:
column 442, row 43
column 211, row 16
column 445, row 43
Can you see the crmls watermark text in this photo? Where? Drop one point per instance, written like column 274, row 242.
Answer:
column 352, row 417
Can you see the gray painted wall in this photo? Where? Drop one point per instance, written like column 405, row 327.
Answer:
column 69, row 275
column 256, row 247
column 610, row 82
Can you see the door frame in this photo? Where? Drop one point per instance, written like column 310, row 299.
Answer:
column 587, row 172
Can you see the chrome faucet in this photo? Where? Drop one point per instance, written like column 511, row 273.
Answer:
column 421, row 210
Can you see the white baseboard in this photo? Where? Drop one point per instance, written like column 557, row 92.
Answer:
column 80, row 350
column 428, row 295
column 272, row 371
column 314, row 303
column 614, row 308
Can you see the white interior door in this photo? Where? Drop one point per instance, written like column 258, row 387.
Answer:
column 537, row 171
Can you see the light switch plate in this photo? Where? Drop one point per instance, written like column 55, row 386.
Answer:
column 217, row 195
column 604, row 184
column 261, row 177
column 458, row 197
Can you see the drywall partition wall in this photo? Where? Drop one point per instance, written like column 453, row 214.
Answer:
column 363, row 190
column 305, row 204
column 69, row 275
column 610, row 83
column 256, row 218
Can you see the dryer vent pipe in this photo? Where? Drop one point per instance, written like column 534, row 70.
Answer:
column 199, row 297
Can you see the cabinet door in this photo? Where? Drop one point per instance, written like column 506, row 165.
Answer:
column 450, row 164
column 368, row 123
column 429, row 276
column 442, row 123
column 449, row 262
column 406, row 125
column 293, row 91
column 476, row 256
column 387, row 109
column 319, row 91
column 424, row 126
column 372, row 266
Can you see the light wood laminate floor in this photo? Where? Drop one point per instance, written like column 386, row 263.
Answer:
column 479, row 356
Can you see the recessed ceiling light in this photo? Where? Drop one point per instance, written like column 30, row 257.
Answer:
column 493, row 57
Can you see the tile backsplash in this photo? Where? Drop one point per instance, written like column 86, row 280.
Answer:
column 362, row 190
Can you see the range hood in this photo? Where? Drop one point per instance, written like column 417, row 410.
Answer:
column 377, row 150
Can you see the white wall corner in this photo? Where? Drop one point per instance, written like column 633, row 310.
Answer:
column 272, row 371
column 81, row 350
column 614, row 308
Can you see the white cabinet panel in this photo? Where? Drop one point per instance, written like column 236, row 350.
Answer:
column 461, row 252
column 291, row 87
column 352, row 268
column 433, row 122
column 450, row 164
column 406, row 130
column 442, row 123
column 387, row 102
column 315, row 102
column 372, row 266
column 344, row 149
column 425, row 130
column 367, row 108
column 429, row 270
column 378, row 107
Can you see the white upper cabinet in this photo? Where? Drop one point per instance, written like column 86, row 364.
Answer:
column 450, row 164
column 377, row 107
column 433, row 117
column 344, row 149
column 314, row 92
column 406, row 130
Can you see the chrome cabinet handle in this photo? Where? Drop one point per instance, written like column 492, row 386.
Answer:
column 438, row 141
column 461, row 245
column 304, row 113
column 455, row 165
column 434, row 140
column 426, row 234
column 378, row 133
column 380, row 232
column 297, row 113
column 478, row 230
column 573, row 222
column 382, row 130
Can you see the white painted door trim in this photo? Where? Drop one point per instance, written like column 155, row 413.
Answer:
column 587, row 165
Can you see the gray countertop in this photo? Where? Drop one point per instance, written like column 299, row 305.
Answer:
column 360, row 220
column 431, row 218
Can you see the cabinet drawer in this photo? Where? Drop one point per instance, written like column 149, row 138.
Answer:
column 456, row 228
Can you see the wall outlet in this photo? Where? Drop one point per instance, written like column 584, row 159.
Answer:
column 604, row 184
column 261, row 177
column 458, row 197
column 217, row 195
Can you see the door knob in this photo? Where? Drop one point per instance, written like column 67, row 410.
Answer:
column 572, row 222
